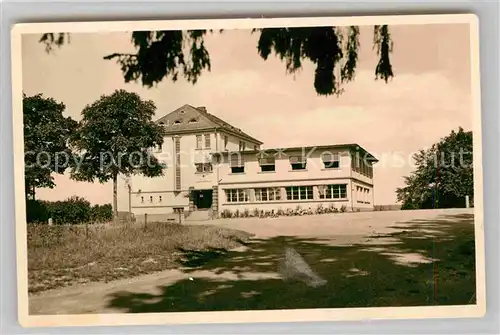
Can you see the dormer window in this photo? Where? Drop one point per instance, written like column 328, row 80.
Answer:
column 331, row 161
column 298, row 163
column 193, row 120
column 177, row 122
column 267, row 164
column 237, row 164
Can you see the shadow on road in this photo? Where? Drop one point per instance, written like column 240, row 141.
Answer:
column 368, row 274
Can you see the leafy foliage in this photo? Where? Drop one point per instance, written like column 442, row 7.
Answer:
column 443, row 175
column 334, row 51
column 36, row 211
column 71, row 211
column 46, row 134
column 101, row 213
column 114, row 138
column 74, row 210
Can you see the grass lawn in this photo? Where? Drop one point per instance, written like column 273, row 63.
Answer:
column 359, row 275
column 65, row 255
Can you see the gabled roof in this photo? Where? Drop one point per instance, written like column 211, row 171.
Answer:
column 188, row 118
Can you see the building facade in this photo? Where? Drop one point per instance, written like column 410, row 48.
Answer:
column 212, row 167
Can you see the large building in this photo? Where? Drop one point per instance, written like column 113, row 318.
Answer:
column 213, row 167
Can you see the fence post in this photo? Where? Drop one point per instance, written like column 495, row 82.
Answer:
column 145, row 220
column 467, row 203
column 50, row 222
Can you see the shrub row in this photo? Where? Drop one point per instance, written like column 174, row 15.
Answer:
column 74, row 210
column 246, row 213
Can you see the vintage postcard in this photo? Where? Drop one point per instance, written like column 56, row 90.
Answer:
column 248, row 170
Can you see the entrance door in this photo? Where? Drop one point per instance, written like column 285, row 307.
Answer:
column 202, row 199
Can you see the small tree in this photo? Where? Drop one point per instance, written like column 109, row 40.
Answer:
column 443, row 175
column 114, row 138
column 46, row 134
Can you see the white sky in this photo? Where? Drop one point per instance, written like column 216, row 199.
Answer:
column 429, row 96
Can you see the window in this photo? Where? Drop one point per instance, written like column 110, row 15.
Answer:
column 193, row 120
column 268, row 194
column 359, row 189
column 331, row 161
column 198, row 142
column 203, row 167
column 267, row 164
column 337, row 191
column 237, row 164
column 159, row 198
column 268, row 168
column 207, row 141
column 226, row 140
column 142, row 199
column 237, row 169
column 255, row 147
column 242, row 146
column 237, row 195
column 151, row 199
column 298, row 162
column 177, row 122
column 299, row 193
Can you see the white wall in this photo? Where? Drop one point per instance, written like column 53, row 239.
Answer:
column 168, row 201
column 283, row 171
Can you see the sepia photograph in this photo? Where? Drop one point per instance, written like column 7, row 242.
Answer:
column 301, row 169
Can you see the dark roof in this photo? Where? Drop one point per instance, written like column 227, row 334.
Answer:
column 351, row 146
column 210, row 121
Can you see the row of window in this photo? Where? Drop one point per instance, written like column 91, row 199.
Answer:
column 204, row 142
column 360, row 166
column 335, row 191
column 268, row 164
column 362, row 194
column 151, row 199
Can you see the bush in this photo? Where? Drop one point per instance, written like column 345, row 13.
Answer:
column 225, row 214
column 256, row 212
column 101, row 213
column 73, row 210
column 36, row 211
column 343, row 209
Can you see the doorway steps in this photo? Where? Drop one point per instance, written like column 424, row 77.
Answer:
column 200, row 215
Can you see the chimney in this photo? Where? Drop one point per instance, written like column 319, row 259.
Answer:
column 202, row 108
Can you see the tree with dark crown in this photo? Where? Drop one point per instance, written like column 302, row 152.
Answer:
column 46, row 134
column 115, row 137
column 443, row 176
column 333, row 50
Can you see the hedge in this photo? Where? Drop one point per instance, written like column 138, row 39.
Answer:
column 74, row 210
